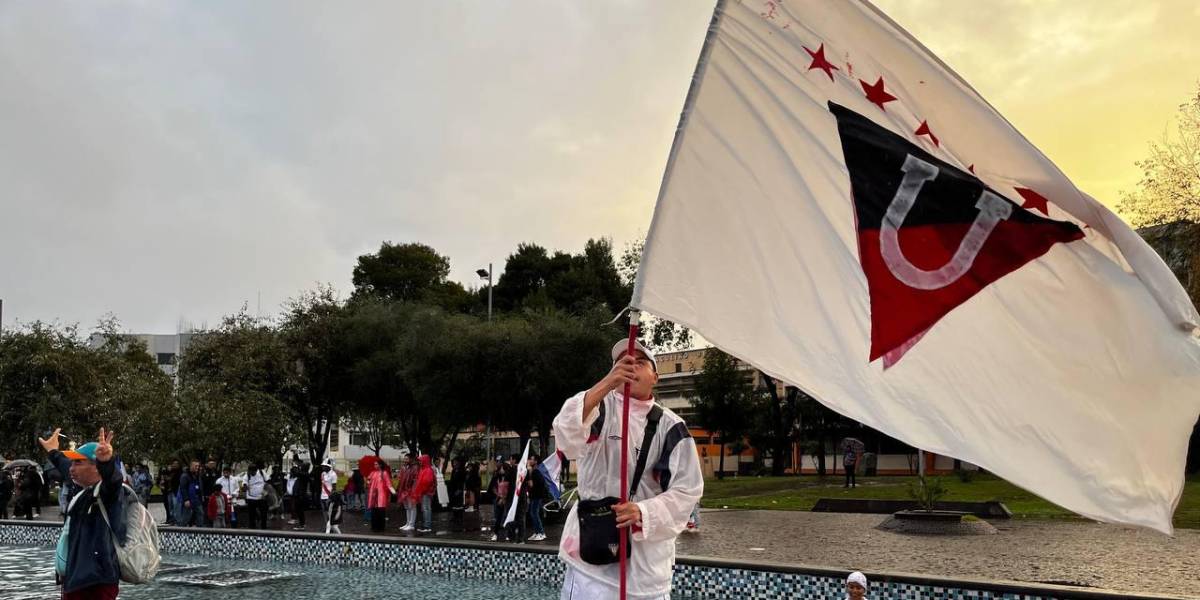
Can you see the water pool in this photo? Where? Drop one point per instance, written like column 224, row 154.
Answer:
column 27, row 573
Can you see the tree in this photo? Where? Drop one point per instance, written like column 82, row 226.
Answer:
column 132, row 396
column 381, row 397
column 777, row 422
column 312, row 331
column 534, row 279
column 1169, row 190
column 819, row 425
column 49, row 377
column 235, row 389
column 723, row 397
column 410, row 273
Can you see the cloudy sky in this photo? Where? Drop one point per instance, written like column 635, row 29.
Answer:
column 168, row 161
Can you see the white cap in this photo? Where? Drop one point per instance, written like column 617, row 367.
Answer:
column 621, row 346
column 859, row 578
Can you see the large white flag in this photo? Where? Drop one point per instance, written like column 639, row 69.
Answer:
column 845, row 213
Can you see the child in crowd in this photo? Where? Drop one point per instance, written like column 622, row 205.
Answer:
column 856, row 586
column 218, row 507
column 334, row 520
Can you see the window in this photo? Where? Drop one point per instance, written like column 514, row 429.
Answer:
column 333, row 437
column 678, row 367
column 360, row 438
column 166, row 358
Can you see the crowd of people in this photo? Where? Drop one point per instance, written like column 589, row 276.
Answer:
column 24, row 487
column 203, row 494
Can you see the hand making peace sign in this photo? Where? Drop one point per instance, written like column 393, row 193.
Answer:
column 104, row 449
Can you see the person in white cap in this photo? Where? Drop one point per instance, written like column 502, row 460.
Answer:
column 856, row 586
column 588, row 430
column 328, row 484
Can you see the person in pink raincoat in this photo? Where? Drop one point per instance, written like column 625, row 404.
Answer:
column 379, row 492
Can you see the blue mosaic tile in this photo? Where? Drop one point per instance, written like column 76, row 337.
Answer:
column 689, row 581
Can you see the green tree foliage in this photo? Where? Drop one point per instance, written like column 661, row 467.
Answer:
column 381, row 398
column 234, row 383
column 49, row 377
column 410, row 273
column 724, row 399
column 1169, row 190
column 776, row 421
column 535, row 279
column 313, row 331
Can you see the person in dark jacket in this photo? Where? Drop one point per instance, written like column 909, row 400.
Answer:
column 168, row 484
column 29, row 494
column 535, row 486
column 358, row 498
column 86, row 558
column 208, row 479
column 519, row 495
column 300, row 497
column 191, row 510
column 473, row 484
column 6, row 492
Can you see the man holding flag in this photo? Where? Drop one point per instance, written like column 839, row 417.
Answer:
column 588, row 430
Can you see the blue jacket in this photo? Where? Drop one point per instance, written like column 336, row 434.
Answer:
column 91, row 556
column 189, row 489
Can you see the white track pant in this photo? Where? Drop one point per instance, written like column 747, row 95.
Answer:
column 577, row 586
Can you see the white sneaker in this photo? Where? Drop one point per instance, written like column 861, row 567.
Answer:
column 470, row 509
column 407, row 528
column 494, row 538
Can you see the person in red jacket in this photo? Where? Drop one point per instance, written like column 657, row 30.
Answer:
column 423, row 491
column 218, row 507
column 405, row 481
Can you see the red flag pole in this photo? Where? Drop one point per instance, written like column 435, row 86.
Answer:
column 634, row 321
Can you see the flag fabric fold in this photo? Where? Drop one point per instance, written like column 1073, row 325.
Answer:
column 551, row 469
column 844, row 212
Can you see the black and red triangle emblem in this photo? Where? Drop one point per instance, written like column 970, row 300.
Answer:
column 930, row 235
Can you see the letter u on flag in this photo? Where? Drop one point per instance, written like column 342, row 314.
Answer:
column 842, row 211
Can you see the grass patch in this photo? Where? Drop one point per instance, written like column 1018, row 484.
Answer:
column 801, row 493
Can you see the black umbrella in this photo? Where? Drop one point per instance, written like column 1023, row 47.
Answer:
column 20, row 462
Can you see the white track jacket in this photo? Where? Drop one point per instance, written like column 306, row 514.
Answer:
column 670, row 486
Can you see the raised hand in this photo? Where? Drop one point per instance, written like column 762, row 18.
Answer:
column 50, row 445
column 623, row 371
column 104, row 449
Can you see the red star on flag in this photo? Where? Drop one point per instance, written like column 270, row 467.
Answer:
column 924, row 130
column 876, row 94
column 819, row 62
column 1034, row 200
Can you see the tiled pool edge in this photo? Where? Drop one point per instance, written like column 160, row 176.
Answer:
column 695, row 577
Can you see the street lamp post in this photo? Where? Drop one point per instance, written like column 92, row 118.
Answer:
column 487, row 274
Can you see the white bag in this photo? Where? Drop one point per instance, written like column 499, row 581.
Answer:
column 139, row 559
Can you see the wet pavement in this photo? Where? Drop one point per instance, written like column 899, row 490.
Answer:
column 1065, row 552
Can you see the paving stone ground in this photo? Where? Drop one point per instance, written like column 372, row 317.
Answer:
column 1055, row 551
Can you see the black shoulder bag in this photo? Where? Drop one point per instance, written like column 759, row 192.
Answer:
column 599, row 538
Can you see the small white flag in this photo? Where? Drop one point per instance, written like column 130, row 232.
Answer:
column 521, row 472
